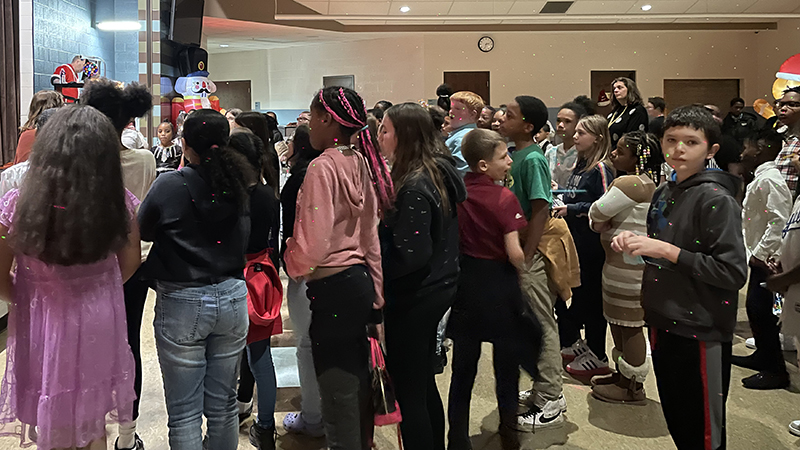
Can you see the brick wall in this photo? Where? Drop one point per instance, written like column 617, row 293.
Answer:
column 65, row 28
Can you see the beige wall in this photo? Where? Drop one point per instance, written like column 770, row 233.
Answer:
column 553, row 66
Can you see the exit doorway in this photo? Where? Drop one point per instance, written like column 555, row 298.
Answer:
column 477, row 82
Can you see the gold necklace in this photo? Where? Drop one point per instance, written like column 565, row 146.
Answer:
column 615, row 117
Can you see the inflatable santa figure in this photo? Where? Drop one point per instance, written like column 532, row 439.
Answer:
column 195, row 87
column 788, row 76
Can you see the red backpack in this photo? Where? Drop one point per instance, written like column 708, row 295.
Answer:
column 264, row 297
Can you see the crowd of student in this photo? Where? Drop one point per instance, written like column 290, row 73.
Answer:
column 405, row 223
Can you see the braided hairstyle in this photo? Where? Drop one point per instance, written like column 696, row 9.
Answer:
column 648, row 153
column 348, row 110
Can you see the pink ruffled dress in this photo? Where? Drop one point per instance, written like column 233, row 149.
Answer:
column 69, row 368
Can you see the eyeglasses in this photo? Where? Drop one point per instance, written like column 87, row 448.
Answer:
column 793, row 105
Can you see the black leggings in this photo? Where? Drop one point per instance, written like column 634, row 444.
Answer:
column 247, row 382
column 341, row 309
column 586, row 309
column 135, row 296
column 411, row 325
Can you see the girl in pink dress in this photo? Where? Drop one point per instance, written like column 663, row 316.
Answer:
column 71, row 231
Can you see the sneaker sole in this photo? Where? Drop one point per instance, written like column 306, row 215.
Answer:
column 619, row 402
column 589, row 373
column 794, row 431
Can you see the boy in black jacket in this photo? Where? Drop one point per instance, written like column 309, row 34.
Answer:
column 696, row 264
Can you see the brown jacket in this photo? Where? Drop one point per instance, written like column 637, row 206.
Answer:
column 561, row 258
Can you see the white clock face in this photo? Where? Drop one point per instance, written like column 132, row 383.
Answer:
column 486, row 44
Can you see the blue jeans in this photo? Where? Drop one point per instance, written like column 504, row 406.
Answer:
column 260, row 358
column 200, row 333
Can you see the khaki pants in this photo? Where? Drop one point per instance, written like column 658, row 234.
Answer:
column 533, row 281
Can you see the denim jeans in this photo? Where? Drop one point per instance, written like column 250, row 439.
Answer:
column 200, row 333
column 260, row 358
column 300, row 313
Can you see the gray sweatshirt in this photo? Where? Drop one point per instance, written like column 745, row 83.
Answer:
column 697, row 297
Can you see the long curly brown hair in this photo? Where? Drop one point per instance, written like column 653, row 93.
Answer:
column 71, row 208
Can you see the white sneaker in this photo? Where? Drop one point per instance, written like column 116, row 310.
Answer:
column 588, row 365
column 794, row 427
column 575, row 350
column 526, row 398
column 787, row 343
column 550, row 416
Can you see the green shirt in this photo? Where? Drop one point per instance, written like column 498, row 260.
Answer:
column 529, row 178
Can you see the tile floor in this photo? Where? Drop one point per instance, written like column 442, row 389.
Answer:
column 756, row 420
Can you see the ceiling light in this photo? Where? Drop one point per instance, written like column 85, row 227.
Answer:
column 114, row 25
column 224, row 45
column 647, row 7
column 404, row 9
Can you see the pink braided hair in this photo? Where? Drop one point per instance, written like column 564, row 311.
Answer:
column 379, row 171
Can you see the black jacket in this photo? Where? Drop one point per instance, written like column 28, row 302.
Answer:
column 264, row 217
column 740, row 127
column 196, row 238
column 419, row 242
column 626, row 119
column 697, row 297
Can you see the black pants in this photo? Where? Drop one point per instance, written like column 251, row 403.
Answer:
column 135, row 296
column 763, row 323
column 341, row 308
column 247, row 382
column 488, row 308
column 693, row 378
column 411, row 325
column 586, row 309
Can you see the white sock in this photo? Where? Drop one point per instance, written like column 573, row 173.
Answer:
column 127, row 433
column 245, row 408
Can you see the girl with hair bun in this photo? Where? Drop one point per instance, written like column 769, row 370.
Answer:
column 335, row 249
column 624, row 207
column 121, row 106
column 198, row 221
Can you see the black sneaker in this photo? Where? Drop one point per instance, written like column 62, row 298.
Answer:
column 262, row 438
column 139, row 445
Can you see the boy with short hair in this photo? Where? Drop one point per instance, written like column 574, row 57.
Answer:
column 488, row 306
column 465, row 109
column 766, row 207
column 529, row 180
column 788, row 108
column 696, row 264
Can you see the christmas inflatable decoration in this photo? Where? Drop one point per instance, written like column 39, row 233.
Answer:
column 763, row 108
column 195, row 87
column 787, row 77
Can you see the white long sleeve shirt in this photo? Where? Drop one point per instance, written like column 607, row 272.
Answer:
column 766, row 207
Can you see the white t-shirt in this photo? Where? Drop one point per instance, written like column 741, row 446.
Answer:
column 790, row 257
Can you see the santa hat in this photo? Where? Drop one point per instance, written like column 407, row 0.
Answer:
column 602, row 99
column 790, row 69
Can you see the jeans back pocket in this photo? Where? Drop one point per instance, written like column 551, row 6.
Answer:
column 178, row 316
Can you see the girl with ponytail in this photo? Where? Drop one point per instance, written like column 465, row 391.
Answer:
column 198, row 220
column 624, row 207
column 335, row 249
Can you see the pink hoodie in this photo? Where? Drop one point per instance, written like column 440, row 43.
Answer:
column 337, row 219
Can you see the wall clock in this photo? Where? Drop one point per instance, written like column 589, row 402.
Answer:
column 486, row 44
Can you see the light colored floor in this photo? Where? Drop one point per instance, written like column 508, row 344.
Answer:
column 756, row 420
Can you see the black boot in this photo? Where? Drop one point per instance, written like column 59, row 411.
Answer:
column 262, row 438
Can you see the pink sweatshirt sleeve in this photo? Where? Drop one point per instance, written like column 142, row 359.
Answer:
column 313, row 223
column 372, row 247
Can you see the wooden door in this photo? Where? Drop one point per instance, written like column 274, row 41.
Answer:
column 477, row 82
column 707, row 92
column 234, row 94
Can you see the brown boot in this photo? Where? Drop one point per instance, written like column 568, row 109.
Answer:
column 629, row 389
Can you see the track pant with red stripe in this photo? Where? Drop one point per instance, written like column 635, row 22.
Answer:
column 693, row 378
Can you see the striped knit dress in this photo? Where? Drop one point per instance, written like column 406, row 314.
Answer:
column 625, row 207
